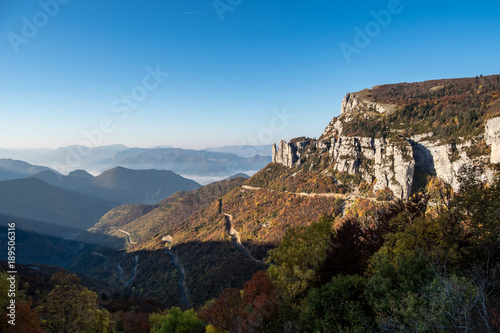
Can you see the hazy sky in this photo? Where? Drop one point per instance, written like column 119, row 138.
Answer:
column 239, row 71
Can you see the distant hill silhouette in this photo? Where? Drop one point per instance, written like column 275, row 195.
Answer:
column 12, row 169
column 122, row 186
column 242, row 175
column 142, row 186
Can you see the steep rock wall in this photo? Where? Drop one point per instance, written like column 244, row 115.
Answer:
column 288, row 153
column 374, row 159
column 389, row 166
column 492, row 137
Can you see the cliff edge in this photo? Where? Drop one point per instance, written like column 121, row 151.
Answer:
column 391, row 135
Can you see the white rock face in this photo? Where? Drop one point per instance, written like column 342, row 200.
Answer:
column 391, row 168
column 345, row 154
column 349, row 103
column 437, row 159
column 334, row 127
column 288, row 153
column 285, row 154
column 492, row 137
column 352, row 102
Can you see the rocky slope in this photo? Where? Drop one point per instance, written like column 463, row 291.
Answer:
column 452, row 123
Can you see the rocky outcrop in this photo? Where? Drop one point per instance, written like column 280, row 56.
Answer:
column 442, row 160
column 289, row 153
column 492, row 137
column 354, row 102
column 351, row 104
column 394, row 167
column 285, row 154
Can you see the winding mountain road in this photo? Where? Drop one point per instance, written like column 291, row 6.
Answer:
column 95, row 253
column 312, row 195
column 235, row 237
column 134, row 270
column 348, row 198
column 128, row 236
column 174, row 259
column 120, row 271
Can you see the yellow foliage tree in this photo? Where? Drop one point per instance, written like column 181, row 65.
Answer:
column 70, row 307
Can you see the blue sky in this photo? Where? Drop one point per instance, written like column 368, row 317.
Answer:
column 65, row 69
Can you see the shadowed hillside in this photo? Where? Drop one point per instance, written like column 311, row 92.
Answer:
column 35, row 199
column 12, row 169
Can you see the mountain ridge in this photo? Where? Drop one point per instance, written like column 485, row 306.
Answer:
column 216, row 161
column 392, row 134
column 13, row 168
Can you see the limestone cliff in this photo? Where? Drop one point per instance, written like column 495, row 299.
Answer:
column 392, row 161
column 387, row 163
column 492, row 136
column 361, row 101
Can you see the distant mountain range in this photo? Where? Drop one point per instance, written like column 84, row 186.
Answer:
column 183, row 161
column 213, row 162
column 69, row 158
column 244, row 150
column 12, row 169
column 122, row 186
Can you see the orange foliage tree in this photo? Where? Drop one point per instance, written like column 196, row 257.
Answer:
column 246, row 311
